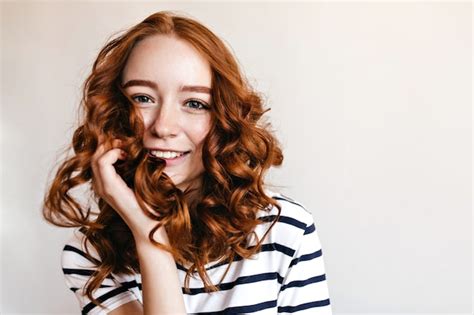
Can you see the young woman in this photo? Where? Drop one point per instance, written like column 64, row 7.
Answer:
column 174, row 149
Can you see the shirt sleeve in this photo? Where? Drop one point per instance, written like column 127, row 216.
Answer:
column 78, row 269
column 304, row 289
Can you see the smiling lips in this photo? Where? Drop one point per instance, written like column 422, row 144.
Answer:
column 171, row 158
column 167, row 154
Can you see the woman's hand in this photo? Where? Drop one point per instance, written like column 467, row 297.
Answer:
column 160, row 281
column 108, row 185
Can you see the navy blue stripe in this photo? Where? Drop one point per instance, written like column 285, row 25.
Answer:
column 130, row 284
column 180, row 267
column 244, row 309
column 241, row 280
column 81, row 272
column 278, row 247
column 80, row 252
column 310, row 229
column 305, row 306
column 306, row 257
column 302, row 283
column 103, row 298
column 284, row 219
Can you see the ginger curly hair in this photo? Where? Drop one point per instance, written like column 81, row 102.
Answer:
column 237, row 152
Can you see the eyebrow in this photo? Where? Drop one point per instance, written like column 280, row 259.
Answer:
column 153, row 85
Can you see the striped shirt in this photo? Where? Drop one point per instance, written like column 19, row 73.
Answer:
column 286, row 276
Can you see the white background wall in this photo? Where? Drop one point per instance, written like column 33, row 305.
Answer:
column 371, row 101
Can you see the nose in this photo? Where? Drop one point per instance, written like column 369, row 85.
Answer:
column 166, row 122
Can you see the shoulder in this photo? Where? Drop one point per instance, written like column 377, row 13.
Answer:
column 78, row 253
column 80, row 261
column 294, row 221
column 292, row 211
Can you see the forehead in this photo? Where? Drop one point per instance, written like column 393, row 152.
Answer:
column 168, row 61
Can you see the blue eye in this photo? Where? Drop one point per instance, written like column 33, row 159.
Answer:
column 194, row 104
column 142, row 98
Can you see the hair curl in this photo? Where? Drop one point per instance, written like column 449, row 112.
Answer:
column 237, row 152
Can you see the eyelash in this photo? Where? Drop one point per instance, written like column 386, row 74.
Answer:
column 203, row 105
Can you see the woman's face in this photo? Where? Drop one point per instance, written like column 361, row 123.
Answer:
column 170, row 83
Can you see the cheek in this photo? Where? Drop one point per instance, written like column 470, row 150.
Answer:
column 147, row 118
column 198, row 131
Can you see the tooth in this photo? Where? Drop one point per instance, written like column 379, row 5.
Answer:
column 166, row 154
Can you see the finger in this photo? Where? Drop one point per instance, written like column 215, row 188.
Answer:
column 113, row 189
column 108, row 145
column 102, row 160
column 105, row 145
column 106, row 170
